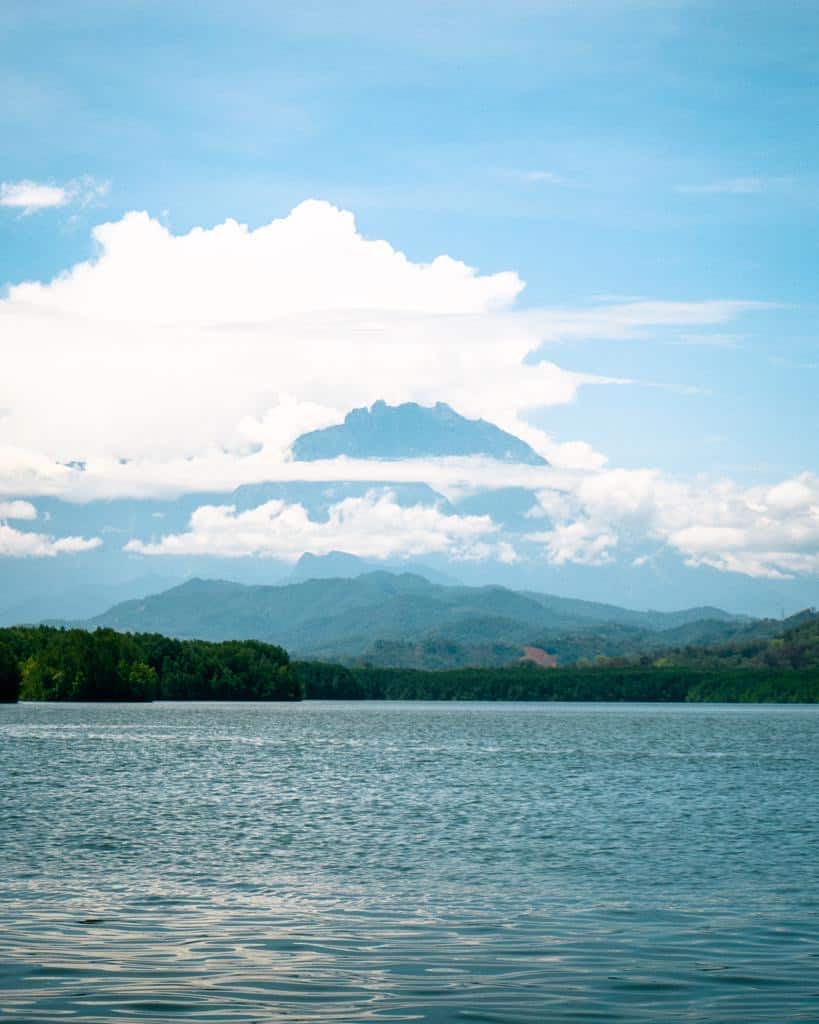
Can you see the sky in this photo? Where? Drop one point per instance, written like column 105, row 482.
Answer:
column 593, row 224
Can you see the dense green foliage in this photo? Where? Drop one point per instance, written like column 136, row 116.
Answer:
column 792, row 645
column 10, row 675
column 605, row 682
column 324, row 681
column 75, row 665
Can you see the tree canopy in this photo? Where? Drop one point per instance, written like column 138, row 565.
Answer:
column 76, row 665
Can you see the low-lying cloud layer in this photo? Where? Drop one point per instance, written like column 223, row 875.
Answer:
column 372, row 526
column 594, row 518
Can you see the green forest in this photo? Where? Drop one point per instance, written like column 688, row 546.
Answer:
column 50, row 663
column 633, row 682
column 47, row 663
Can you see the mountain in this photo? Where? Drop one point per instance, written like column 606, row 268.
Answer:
column 594, row 612
column 791, row 643
column 405, row 619
column 341, row 565
column 412, row 431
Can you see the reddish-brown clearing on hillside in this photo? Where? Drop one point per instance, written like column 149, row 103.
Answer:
column 539, row 657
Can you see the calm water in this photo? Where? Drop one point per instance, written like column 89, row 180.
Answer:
column 409, row 862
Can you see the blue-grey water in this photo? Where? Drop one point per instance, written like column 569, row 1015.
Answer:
column 327, row 862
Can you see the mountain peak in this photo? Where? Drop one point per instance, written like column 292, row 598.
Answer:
column 412, row 431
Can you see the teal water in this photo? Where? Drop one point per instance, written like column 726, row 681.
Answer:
column 349, row 862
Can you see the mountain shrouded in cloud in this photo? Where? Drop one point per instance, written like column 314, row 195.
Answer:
column 182, row 369
column 411, row 431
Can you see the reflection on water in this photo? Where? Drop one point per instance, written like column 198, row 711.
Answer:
column 415, row 862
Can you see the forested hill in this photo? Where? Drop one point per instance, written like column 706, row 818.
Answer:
column 404, row 620
column 767, row 644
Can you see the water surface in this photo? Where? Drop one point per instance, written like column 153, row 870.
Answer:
column 375, row 862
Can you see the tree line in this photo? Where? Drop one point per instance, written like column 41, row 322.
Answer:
column 48, row 663
column 602, row 682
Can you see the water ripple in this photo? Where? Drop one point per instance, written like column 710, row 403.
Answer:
column 348, row 863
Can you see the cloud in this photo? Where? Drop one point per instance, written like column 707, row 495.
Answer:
column 181, row 363
column 24, row 544
column 762, row 531
column 210, row 352
column 31, row 196
column 17, row 510
column 28, row 196
column 220, row 470
column 312, row 261
column 372, row 526
column 595, row 516
column 578, row 542
column 19, row 544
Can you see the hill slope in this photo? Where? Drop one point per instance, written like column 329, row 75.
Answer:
column 406, row 620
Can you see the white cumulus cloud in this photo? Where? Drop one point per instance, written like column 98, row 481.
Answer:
column 28, row 544
column 764, row 531
column 371, row 526
column 17, row 510
column 583, row 543
column 20, row 544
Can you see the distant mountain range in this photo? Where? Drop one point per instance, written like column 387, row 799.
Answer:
column 342, row 565
column 404, row 619
column 412, row 431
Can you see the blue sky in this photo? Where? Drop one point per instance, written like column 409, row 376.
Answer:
column 607, row 152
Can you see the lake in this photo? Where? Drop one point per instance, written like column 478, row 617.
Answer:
column 327, row 862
